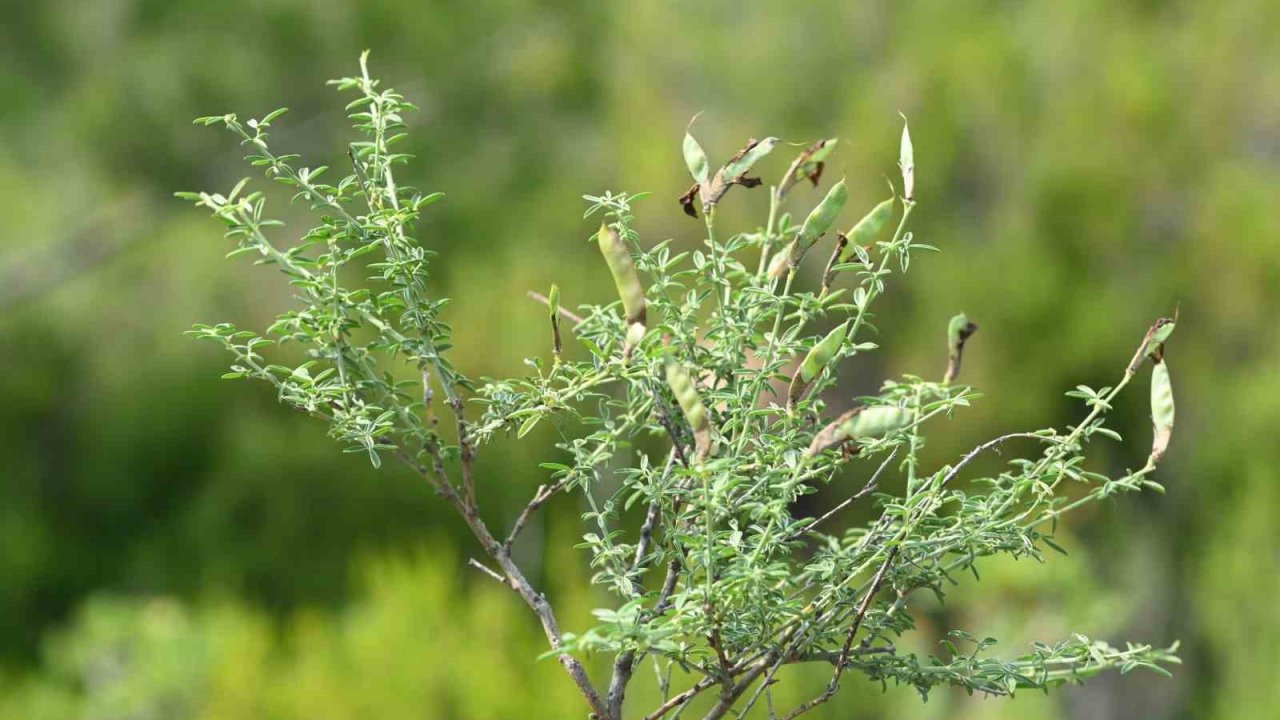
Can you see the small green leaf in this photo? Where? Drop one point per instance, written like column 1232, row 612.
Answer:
column 528, row 425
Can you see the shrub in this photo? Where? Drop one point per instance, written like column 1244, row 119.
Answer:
column 718, row 579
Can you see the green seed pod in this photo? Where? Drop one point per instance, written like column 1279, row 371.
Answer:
column 814, row 362
column 876, row 422
column 958, row 332
column 822, row 217
column 858, row 423
column 1161, row 410
column 696, row 160
column 624, row 274
column 553, row 303
column 870, row 226
column 907, row 162
column 553, row 300
column 695, row 412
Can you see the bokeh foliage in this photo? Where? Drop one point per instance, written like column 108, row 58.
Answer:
column 1091, row 164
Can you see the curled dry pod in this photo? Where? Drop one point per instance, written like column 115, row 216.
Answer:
column 870, row 226
column 681, row 384
column 822, row 217
column 837, row 252
column 1161, row 410
column 630, row 290
column 1158, row 336
column 808, row 166
column 742, row 163
column 733, row 173
column 814, row 362
column 959, row 330
column 872, row 422
column 1153, row 343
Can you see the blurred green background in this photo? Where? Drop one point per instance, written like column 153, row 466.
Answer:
column 172, row 546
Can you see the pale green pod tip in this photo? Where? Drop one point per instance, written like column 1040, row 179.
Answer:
column 959, row 330
column 955, row 328
column 553, row 300
column 635, row 334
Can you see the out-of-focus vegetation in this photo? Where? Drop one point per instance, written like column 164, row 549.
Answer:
column 177, row 548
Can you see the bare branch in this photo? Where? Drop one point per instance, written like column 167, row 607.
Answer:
column 540, row 497
column 842, row 660
column 487, row 571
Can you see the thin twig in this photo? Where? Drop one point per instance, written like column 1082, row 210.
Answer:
column 868, row 488
column 843, row 659
column 576, row 319
column 540, row 497
column 487, row 571
column 680, row 699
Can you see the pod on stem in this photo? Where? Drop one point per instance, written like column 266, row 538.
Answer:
column 627, row 282
column 858, row 423
column 1161, row 410
column 871, row 225
column 695, row 413
column 822, row 217
column 815, row 361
